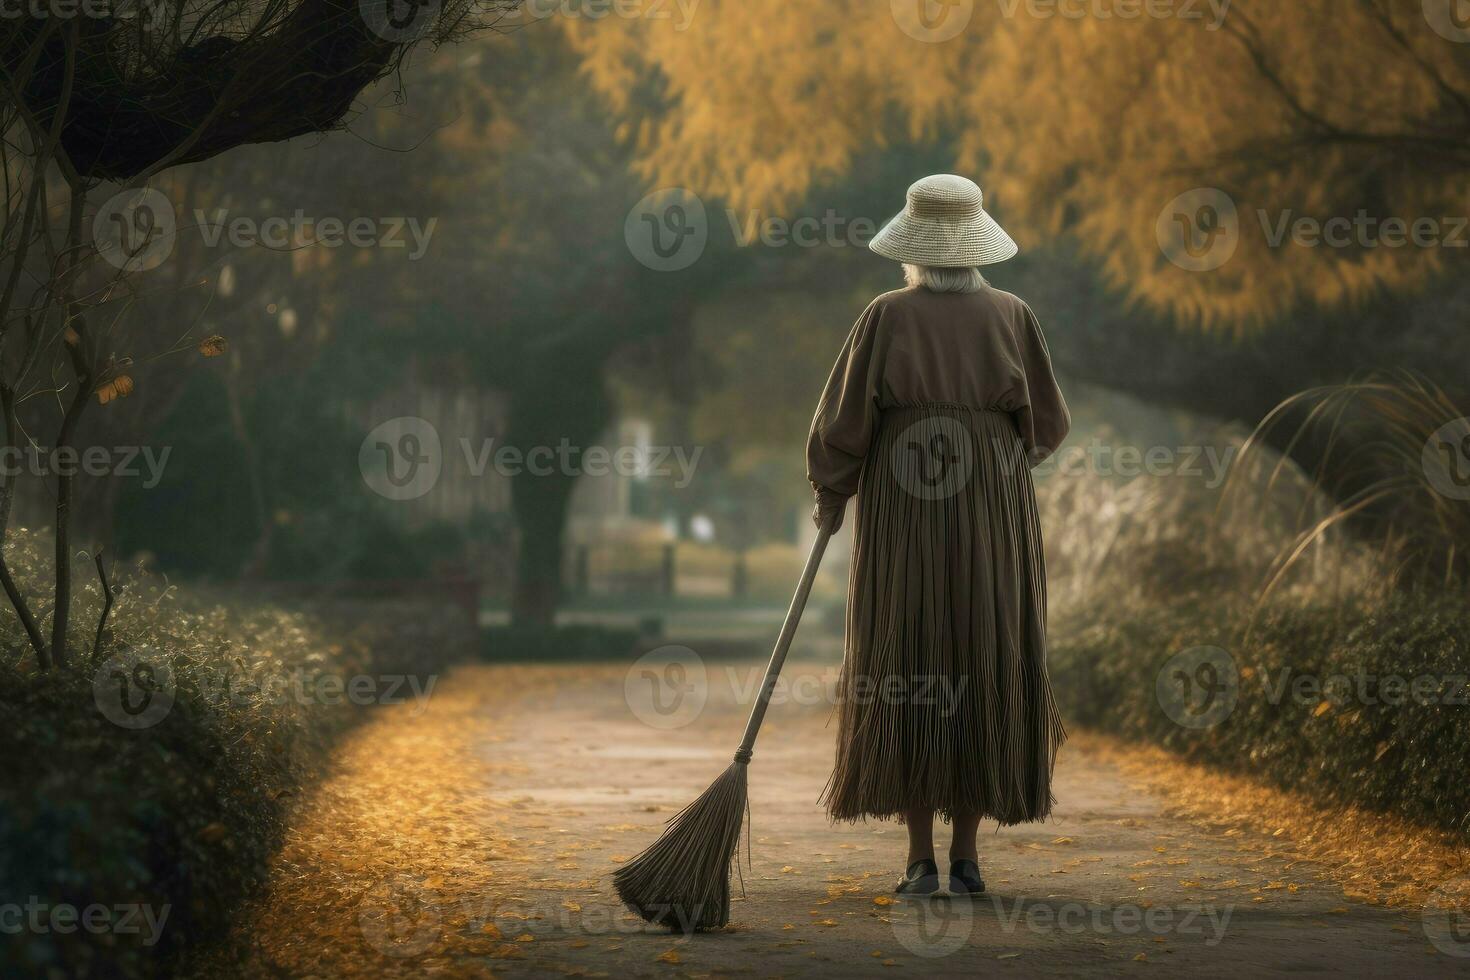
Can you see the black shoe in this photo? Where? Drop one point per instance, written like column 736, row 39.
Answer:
column 922, row 878
column 964, row 878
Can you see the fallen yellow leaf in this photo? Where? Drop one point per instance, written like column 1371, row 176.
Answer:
column 119, row 387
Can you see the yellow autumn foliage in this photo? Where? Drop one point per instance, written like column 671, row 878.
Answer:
column 1079, row 118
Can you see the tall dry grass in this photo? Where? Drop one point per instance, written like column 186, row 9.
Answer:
column 1385, row 506
column 1158, row 538
column 1350, row 576
column 1395, row 457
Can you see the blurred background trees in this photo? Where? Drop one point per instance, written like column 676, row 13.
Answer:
column 309, row 420
column 1082, row 126
column 95, row 95
column 1086, row 132
column 528, row 320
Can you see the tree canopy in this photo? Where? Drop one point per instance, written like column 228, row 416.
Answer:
column 1092, row 125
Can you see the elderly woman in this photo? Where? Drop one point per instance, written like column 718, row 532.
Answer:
column 941, row 400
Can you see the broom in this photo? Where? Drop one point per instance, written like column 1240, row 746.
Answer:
column 683, row 880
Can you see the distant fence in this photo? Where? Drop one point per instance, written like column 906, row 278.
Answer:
column 655, row 568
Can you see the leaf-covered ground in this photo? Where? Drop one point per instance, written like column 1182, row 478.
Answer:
column 475, row 838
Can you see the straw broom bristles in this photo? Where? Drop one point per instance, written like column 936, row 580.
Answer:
column 683, row 880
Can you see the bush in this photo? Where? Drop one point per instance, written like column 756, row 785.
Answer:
column 1270, row 569
column 1361, row 737
column 171, row 825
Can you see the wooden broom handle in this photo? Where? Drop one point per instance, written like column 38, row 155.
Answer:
column 783, row 644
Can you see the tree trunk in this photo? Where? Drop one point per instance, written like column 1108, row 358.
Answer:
column 7, row 498
column 540, row 509
column 559, row 402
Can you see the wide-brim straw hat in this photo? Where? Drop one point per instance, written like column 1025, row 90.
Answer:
column 944, row 224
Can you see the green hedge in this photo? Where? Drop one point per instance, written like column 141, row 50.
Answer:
column 1359, row 738
column 538, row 644
column 175, row 821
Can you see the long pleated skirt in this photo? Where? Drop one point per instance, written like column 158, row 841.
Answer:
column 944, row 700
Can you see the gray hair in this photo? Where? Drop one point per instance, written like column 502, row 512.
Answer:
column 944, row 279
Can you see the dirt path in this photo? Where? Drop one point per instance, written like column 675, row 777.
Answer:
column 475, row 838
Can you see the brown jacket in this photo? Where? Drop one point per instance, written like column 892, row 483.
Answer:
column 981, row 350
